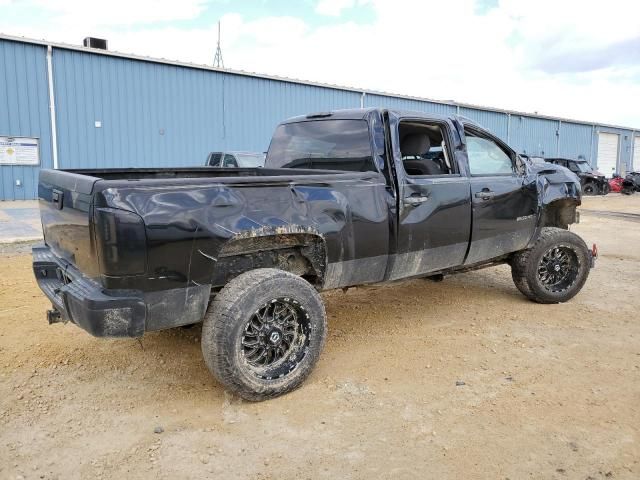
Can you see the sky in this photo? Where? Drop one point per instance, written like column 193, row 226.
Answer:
column 568, row 58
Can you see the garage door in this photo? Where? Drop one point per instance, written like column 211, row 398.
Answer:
column 607, row 153
column 636, row 154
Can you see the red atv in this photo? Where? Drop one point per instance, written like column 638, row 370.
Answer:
column 625, row 186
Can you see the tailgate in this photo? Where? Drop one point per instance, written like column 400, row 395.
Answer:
column 65, row 211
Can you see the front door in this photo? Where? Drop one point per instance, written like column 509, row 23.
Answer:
column 434, row 209
column 504, row 204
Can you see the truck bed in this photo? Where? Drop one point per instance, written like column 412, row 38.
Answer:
column 84, row 180
column 188, row 172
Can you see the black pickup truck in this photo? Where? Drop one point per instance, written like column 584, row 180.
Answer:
column 345, row 198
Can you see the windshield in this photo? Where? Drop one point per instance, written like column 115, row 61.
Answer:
column 322, row 144
column 250, row 160
column 583, row 167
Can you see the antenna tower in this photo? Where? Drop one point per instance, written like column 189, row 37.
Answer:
column 217, row 60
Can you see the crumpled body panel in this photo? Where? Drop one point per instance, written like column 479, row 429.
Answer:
column 188, row 226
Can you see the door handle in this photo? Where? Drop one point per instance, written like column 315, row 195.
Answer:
column 485, row 194
column 414, row 201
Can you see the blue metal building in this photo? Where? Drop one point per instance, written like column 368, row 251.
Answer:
column 91, row 108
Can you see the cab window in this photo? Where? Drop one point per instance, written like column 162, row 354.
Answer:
column 230, row 161
column 424, row 150
column 486, row 157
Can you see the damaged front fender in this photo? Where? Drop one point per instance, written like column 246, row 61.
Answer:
column 559, row 194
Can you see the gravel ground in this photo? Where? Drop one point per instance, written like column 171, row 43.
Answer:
column 459, row 379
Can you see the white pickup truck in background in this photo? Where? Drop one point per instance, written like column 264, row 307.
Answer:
column 235, row 159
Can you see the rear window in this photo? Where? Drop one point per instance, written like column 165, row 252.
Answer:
column 322, row 144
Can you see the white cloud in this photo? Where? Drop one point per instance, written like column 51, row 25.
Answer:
column 333, row 8
column 514, row 56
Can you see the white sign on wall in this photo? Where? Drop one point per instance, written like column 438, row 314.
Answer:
column 19, row 151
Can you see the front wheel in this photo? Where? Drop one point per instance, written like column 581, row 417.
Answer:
column 555, row 269
column 589, row 189
column 263, row 333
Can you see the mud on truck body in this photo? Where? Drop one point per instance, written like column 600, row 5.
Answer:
column 346, row 198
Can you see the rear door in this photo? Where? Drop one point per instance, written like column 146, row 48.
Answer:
column 434, row 208
column 504, row 202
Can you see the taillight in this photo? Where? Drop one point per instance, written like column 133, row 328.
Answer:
column 120, row 242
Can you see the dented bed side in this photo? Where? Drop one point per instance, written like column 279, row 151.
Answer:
column 210, row 233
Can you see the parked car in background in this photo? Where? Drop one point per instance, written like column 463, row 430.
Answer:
column 235, row 159
column 592, row 181
column 618, row 184
column 635, row 178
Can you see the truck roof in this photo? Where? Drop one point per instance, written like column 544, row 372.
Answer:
column 361, row 113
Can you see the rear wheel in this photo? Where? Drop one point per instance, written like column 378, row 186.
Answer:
column 606, row 188
column 555, row 269
column 263, row 333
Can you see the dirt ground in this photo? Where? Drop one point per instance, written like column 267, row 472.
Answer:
column 550, row 391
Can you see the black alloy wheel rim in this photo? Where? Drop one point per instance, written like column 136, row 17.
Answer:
column 589, row 190
column 276, row 337
column 558, row 268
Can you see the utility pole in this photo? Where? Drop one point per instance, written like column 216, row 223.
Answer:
column 217, row 60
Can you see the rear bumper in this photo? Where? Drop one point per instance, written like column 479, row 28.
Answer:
column 113, row 313
column 102, row 313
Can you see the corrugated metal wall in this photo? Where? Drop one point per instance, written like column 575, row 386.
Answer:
column 385, row 101
column 534, row 136
column 161, row 115
column 154, row 115
column 577, row 141
column 254, row 106
column 148, row 114
column 24, row 112
column 496, row 122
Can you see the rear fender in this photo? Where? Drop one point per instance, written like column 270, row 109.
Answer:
column 299, row 250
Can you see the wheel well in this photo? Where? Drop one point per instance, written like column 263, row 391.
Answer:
column 299, row 253
column 560, row 213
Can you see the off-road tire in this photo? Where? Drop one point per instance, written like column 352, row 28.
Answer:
column 589, row 188
column 606, row 189
column 226, row 324
column 525, row 264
